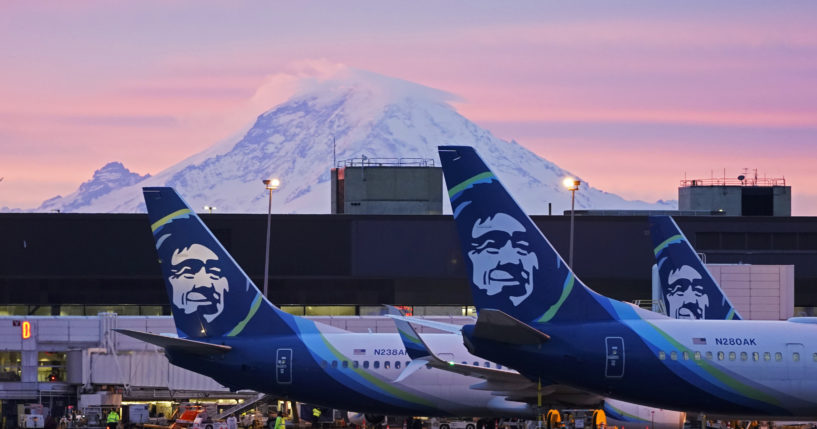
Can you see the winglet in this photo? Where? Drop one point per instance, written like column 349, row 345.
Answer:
column 415, row 347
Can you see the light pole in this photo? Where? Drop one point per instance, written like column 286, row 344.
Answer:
column 271, row 185
column 209, row 209
column 572, row 185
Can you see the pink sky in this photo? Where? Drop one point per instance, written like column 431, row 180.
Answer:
column 630, row 96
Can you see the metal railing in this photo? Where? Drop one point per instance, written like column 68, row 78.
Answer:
column 365, row 161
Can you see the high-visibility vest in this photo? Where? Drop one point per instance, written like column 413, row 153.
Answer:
column 316, row 412
column 113, row 417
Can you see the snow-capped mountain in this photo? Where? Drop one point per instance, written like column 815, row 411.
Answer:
column 112, row 176
column 366, row 115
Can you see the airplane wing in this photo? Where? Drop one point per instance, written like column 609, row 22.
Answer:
column 180, row 344
column 510, row 384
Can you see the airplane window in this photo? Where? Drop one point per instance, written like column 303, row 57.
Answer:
column 720, row 355
column 795, row 357
column 345, row 364
column 476, row 363
column 376, row 364
column 744, row 356
column 355, row 364
column 464, row 363
column 755, row 356
column 673, row 355
column 778, row 356
column 323, row 364
column 334, row 364
column 697, row 356
column 487, row 364
column 498, row 366
column 708, row 355
column 662, row 355
column 397, row 365
column 767, row 356
column 386, row 365
column 685, row 355
column 732, row 355
column 365, row 364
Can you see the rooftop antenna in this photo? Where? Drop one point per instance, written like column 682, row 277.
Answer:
column 334, row 155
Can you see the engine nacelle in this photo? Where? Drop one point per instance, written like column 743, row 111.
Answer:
column 361, row 419
column 620, row 413
column 357, row 419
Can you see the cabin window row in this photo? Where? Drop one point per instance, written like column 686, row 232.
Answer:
column 386, row 364
column 744, row 356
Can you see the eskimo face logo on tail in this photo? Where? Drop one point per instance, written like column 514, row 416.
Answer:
column 197, row 281
column 501, row 258
column 209, row 293
column 685, row 295
column 498, row 243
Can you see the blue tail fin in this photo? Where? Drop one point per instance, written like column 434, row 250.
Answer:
column 209, row 294
column 511, row 265
column 687, row 288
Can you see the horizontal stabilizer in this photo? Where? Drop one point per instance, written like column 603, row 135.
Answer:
column 180, row 344
column 442, row 326
column 504, row 387
column 495, row 325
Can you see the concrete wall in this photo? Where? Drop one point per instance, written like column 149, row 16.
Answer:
column 758, row 292
column 710, row 198
column 391, row 190
column 730, row 199
column 782, row 201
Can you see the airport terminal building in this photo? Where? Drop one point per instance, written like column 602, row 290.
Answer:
column 82, row 264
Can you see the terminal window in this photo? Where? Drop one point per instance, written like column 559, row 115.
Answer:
column 10, row 366
column 50, row 366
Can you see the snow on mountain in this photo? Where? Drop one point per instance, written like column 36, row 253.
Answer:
column 367, row 115
column 112, row 176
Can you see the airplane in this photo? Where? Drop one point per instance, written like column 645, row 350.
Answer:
column 615, row 413
column 688, row 289
column 700, row 298
column 536, row 316
column 228, row 330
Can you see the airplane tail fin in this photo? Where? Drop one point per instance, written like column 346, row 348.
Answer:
column 511, row 266
column 210, row 294
column 687, row 287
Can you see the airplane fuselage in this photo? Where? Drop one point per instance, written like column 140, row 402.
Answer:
column 352, row 371
column 718, row 367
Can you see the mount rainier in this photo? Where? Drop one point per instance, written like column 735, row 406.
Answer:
column 367, row 115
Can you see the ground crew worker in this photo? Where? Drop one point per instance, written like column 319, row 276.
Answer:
column 316, row 415
column 279, row 421
column 113, row 419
